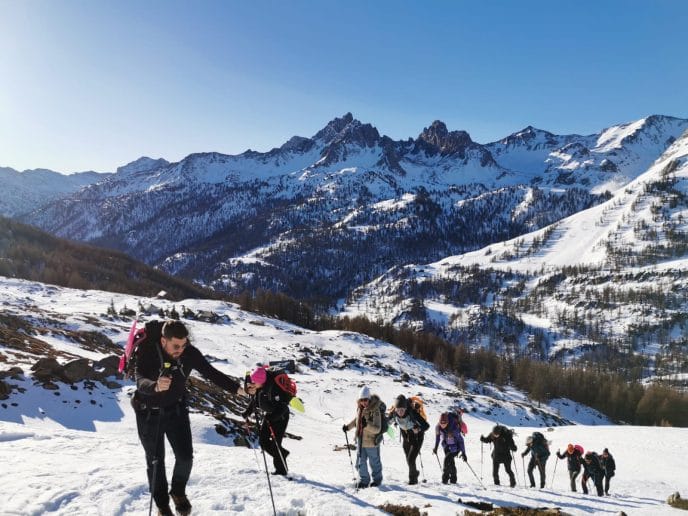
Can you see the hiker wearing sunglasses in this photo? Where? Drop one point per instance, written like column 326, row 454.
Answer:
column 163, row 364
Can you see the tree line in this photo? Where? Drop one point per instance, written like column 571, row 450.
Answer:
column 611, row 393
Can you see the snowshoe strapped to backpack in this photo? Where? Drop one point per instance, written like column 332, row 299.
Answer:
column 151, row 332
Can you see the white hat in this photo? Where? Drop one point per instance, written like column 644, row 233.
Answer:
column 364, row 394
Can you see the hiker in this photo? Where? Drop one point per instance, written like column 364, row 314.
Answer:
column 274, row 405
column 538, row 448
column 162, row 367
column 574, row 458
column 503, row 440
column 449, row 431
column 592, row 469
column 609, row 466
column 368, row 424
column 413, row 428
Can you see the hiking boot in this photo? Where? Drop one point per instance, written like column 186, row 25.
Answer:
column 181, row 504
column 413, row 481
column 362, row 485
column 375, row 484
column 165, row 511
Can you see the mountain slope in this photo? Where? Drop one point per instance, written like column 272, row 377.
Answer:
column 73, row 448
column 610, row 278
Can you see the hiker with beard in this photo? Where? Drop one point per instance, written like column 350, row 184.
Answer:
column 503, row 440
column 163, row 365
column 368, row 424
column 413, row 428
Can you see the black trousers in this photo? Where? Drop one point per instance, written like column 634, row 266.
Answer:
column 449, row 471
column 607, row 478
column 573, row 474
column 412, row 444
column 152, row 427
column 541, row 468
column 596, row 479
column 507, row 468
column 273, row 446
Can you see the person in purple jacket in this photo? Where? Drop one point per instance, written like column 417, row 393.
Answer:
column 449, row 431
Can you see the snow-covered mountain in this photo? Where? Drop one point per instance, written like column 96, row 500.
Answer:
column 320, row 216
column 612, row 276
column 26, row 191
column 68, row 434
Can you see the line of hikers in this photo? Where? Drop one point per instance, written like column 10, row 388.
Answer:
column 408, row 414
column 165, row 358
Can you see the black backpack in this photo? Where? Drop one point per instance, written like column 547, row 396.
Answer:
column 540, row 445
column 285, row 385
column 384, row 423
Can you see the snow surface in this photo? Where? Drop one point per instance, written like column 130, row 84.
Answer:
column 68, row 458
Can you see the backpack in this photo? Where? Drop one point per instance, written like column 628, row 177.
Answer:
column 151, row 332
column 416, row 404
column 456, row 416
column 540, row 445
column 281, row 379
column 384, row 423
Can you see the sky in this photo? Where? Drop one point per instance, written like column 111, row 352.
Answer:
column 94, row 85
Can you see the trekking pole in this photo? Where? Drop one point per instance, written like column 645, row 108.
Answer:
column 279, row 448
column 523, row 461
column 554, row 473
column 351, row 461
column 481, row 459
column 420, row 456
column 155, row 463
column 513, row 459
column 267, row 474
column 476, row 476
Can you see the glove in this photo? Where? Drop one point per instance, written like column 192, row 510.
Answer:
column 434, row 450
column 345, row 428
column 464, row 458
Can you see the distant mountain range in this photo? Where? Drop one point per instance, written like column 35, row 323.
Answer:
column 327, row 218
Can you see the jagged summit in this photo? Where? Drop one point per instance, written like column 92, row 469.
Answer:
column 333, row 128
column 437, row 135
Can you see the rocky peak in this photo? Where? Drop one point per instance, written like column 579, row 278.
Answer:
column 333, row 128
column 297, row 144
column 446, row 142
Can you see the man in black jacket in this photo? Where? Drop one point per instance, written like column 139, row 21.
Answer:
column 592, row 469
column 609, row 466
column 504, row 444
column 574, row 459
column 162, row 368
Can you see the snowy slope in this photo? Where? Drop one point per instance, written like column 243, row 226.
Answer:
column 72, row 457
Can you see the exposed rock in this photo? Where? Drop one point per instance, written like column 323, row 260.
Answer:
column 77, row 370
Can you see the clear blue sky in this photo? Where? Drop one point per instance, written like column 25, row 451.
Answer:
column 92, row 85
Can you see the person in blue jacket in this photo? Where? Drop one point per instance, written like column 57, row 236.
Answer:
column 449, row 432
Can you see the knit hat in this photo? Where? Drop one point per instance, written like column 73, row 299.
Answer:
column 606, row 450
column 259, row 376
column 401, row 402
column 364, row 394
column 444, row 418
